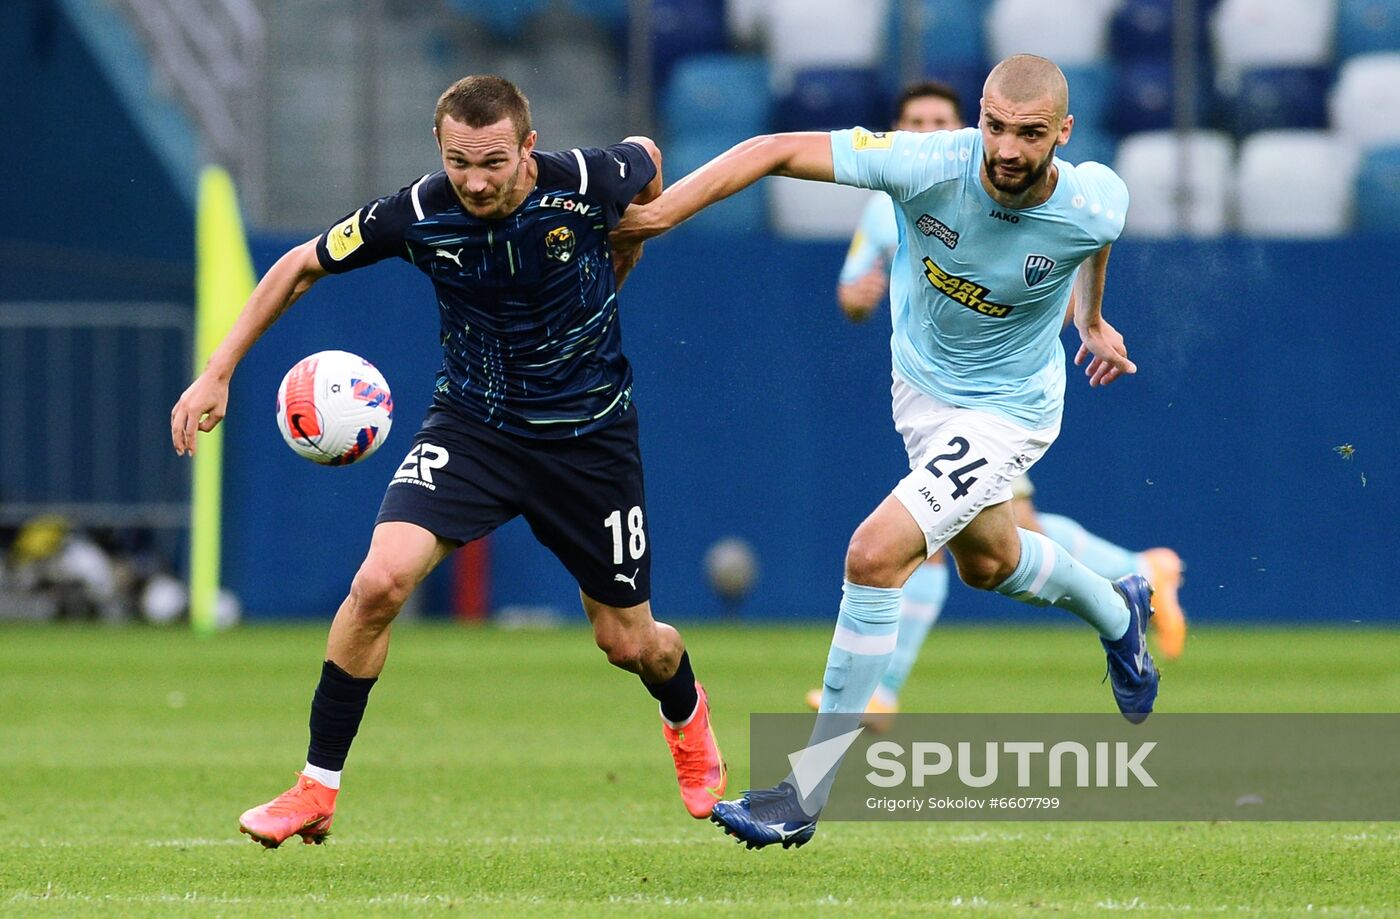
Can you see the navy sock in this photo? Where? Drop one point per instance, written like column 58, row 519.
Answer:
column 677, row 695
column 336, row 710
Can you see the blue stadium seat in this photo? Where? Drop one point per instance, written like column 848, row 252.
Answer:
column 825, row 98
column 1088, row 144
column 1280, row 97
column 725, row 93
column 507, row 19
column 1364, row 26
column 1090, row 95
column 1144, row 97
column 612, row 15
column 1378, row 192
column 745, row 212
column 680, row 28
column 1141, row 29
column 950, row 34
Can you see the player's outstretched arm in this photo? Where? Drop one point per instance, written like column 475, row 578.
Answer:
column 626, row 254
column 1110, row 354
column 859, row 298
column 805, row 155
column 202, row 406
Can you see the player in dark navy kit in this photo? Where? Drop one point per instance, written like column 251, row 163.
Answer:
column 532, row 415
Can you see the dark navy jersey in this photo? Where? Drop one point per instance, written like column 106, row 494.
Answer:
column 528, row 302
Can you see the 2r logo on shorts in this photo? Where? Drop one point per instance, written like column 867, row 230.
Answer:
column 417, row 468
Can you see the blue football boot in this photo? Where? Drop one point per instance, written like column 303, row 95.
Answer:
column 765, row 816
column 1130, row 666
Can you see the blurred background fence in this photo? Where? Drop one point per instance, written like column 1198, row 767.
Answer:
column 1260, row 140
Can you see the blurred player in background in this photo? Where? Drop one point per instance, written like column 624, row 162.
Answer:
column 863, row 284
column 532, row 416
column 993, row 231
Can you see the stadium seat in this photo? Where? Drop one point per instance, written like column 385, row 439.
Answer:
column 1365, row 103
column 744, row 212
column 1087, row 144
column 1142, row 29
column 1090, row 94
column 680, row 28
column 1144, row 97
column 815, row 210
column 831, row 97
column 1272, row 33
column 1280, row 97
column 1068, row 32
column 806, row 34
column 1295, row 184
column 1366, row 26
column 725, row 93
column 949, row 34
column 747, row 21
column 612, row 15
column 1378, row 191
column 1157, row 173
column 966, row 82
column 507, row 19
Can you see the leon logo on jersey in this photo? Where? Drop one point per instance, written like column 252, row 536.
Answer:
column 566, row 204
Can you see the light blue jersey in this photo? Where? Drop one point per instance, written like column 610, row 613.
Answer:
column 978, row 291
column 874, row 241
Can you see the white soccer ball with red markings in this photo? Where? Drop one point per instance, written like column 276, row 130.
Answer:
column 334, row 408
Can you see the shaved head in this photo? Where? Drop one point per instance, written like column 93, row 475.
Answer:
column 1028, row 78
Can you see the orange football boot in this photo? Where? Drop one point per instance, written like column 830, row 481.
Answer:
column 1164, row 570
column 879, row 713
column 700, row 768
column 304, row 810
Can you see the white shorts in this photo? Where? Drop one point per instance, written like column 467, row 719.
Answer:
column 962, row 460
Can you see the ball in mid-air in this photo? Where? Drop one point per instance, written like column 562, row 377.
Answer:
column 732, row 568
column 334, row 408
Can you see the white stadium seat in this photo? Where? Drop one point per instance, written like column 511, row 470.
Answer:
column 1273, row 33
column 814, row 210
column 823, row 33
column 1296, row 184
column 1153, row 164
column 747, row 20
column 1069, row 32
column 1366, row 100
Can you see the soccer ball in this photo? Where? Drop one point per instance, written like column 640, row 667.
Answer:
column 334, row 408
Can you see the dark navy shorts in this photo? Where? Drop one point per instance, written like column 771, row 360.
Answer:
column 583, row 497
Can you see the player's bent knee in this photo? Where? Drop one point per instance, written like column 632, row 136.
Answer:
column 869, row 562
column 983, row 572
column 623, row 650
column 379, row 592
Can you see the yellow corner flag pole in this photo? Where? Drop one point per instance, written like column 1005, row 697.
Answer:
column 223, row 282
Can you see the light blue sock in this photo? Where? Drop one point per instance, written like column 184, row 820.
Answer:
column 861, row 648
column 924, row 595
column 1048, row 576
column 1102, row 557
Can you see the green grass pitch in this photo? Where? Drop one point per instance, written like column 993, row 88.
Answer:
column 515, row 773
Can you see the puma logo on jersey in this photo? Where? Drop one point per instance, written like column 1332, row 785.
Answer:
column 370, row 216
column 417, row 468
column 626, row 580
column 621, row 167
column 454, row 256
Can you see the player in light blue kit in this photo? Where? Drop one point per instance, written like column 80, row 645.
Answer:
column 992, row 230
column 861, row 288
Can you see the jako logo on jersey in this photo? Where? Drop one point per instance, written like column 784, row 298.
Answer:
column 932, row 226
column 567, row 204
column 1003, row 215
column 559, row 243
column 1038, row 267
column 417, row 468
column 959, row 290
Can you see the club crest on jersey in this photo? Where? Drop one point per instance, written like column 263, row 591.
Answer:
column 559, row 243
column 1038, row 267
